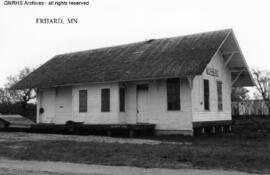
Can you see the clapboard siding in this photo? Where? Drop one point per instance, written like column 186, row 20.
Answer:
column 199, row 114
column 66, row 102
column 157, row 109
column 67, row 107
column 94, row 114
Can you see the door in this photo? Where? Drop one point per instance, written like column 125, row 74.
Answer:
column 142, row 103
column 47, row 99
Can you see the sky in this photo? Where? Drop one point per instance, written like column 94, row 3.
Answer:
column 108, row 23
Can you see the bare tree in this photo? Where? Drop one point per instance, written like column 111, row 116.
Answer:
column 4, row 96
column 239, row 94
column 262, row 82
column 23, row 96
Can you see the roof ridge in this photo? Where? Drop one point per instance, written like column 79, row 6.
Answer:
column 145, row 41
column 165, row 57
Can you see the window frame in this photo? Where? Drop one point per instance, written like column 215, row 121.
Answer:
column 219, row 95
column 105, row 100
column 83, row 109
column 122, row 104
column 206, row 96
column 176, row 93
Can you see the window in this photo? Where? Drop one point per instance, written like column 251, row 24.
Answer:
column 105, row 100
column 173, row 94
column 206, row 94
column 122, row 99
column 219, row 95
column 83, row 101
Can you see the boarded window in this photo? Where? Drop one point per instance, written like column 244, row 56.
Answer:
column 219, row 95
column 122, row 99
column 173, row 94
column 206, row 94
column 105, row 100
column 83, row 101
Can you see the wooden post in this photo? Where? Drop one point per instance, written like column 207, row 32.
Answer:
column 109, row 133
column 131, row 133
column 213, row 129
column 230, row 128
column 203, row 130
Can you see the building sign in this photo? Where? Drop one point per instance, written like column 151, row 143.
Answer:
column 212, row 72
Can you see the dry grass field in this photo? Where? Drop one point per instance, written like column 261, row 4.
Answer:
column 244, row 151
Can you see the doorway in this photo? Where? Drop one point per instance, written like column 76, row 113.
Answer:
column 142, row 103
column 47, row 99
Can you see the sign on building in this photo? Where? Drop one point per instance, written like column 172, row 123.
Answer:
column 212, row 72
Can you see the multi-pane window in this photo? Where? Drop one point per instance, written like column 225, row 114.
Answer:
column 206, row 94
column 219, row 95
column 122, row 99
column 173, row 94
column 83, row 101
column 105, row 100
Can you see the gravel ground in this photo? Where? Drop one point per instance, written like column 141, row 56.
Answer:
column 20, row 136
column 14, row 167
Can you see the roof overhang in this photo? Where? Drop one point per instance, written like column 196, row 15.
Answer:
column 169, row 57
column 235, row 61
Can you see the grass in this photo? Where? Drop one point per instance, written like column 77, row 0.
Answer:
column 8, row 171
column 249, row 152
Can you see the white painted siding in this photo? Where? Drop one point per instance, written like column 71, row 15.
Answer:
column 63, row 104
column 66, row 105
column 38, row 107
column 94, row 114
column 199, row 114
column 158, row 113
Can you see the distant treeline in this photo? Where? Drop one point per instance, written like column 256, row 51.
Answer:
column 17, row 108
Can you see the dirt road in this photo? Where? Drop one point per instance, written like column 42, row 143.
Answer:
column 16, row 167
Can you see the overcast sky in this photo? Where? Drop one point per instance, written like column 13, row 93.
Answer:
column 106, row 23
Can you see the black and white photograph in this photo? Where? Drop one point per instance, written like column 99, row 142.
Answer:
column 125, row 87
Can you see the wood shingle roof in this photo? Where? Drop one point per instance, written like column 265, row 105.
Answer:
column 170, row 57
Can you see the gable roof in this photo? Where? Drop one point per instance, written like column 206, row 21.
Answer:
column 160, row 58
